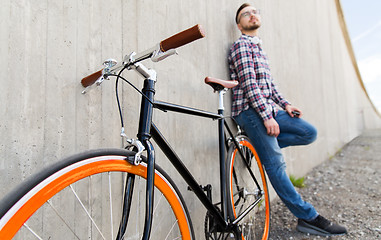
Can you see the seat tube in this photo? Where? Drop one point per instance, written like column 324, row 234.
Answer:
column 221, row 137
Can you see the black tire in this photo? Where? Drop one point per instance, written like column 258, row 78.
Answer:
column 242, row 191
column 81, row 198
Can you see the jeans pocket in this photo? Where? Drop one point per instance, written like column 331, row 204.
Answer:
column 248, row 118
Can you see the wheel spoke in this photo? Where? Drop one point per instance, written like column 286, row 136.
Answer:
column 33, row 232
column 170, row 231
column 62, row 219
column 157, row 222
column 87, row 212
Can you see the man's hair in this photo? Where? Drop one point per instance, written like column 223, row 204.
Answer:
column 239, row 10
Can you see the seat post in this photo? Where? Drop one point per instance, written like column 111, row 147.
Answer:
column 221, row 94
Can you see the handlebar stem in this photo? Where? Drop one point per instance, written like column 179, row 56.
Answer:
column 144, row 71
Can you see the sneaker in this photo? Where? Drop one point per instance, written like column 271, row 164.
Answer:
column 320, row 226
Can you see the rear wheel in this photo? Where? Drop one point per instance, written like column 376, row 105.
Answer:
column 246, row 191
column 82, row 198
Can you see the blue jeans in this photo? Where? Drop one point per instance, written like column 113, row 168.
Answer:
column 293, row 131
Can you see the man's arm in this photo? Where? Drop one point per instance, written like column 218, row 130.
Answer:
column 277, row 96
column 283, row 103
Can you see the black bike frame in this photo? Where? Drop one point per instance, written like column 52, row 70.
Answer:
column 148, row 129
column 221, row 216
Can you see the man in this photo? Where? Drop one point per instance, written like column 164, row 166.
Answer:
column 255, row 109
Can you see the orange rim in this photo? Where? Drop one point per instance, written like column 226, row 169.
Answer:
column 109, row 165
column 265, row 189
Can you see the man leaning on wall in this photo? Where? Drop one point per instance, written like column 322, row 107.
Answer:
column 255, row 106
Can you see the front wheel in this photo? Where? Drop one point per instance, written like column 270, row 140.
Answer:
column 82, row 198
column 247, row 191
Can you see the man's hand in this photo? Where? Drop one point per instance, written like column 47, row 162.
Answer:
column 289, row 109
column 272, row 127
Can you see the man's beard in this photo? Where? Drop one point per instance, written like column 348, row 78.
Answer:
column 251, row 27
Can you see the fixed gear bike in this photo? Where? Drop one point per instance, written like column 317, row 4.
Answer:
column 123, row 194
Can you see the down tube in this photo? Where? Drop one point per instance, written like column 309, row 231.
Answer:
column 184, row 172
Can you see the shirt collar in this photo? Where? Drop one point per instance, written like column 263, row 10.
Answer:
column 254, row 39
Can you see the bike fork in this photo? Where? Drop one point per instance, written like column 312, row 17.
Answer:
column 129, row 189
column 149, row 189
column 126, row 205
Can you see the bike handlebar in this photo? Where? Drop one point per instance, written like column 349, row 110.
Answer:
column 180, row 39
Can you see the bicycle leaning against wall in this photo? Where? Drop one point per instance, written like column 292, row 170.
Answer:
column 123, row 194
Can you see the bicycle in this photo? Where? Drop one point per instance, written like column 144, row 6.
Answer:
column 62, row 201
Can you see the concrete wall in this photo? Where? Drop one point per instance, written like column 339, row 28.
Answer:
column 46, row 47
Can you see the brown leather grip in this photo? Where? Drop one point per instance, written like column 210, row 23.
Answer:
column 182, row 38
column 91, row 79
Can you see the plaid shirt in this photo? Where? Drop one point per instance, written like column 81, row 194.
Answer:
column 248, row 64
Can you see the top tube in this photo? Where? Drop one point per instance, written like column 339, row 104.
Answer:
column 187, row 110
